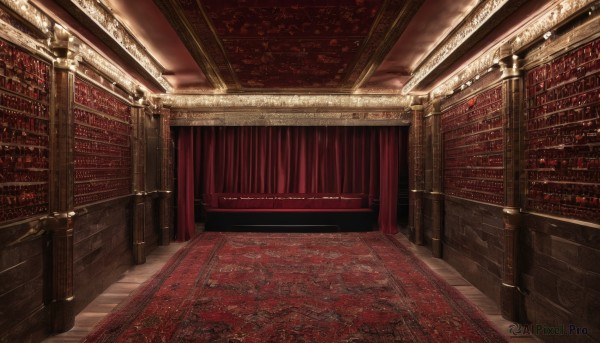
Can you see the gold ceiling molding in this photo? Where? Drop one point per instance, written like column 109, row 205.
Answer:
column 301, row 103
column 474, row 70
column 369, row 61
column 532, row 31
column 30, row 13
column 556, row 46
column 107, row 68
column 549, row 20
column 480, row 15
column 86, row 53
column 8, row 32
column 198, row 45
column 106, row 22
column 192, row 118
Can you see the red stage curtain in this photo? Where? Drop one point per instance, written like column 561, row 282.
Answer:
column 286, row 160
column 388, row 169
column 185, row 184
column 297, row 160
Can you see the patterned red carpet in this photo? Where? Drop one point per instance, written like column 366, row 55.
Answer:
column 265, row 287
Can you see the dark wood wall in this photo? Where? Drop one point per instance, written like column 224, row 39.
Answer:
column 102, row 247
column 472, row 228
column 152, row 181
column 473, row 243
column 561, row 274
column 22, row 260
column 428, row 178
column 555, row 253
column 560, row 238
column 63, row 244
column 24, row 185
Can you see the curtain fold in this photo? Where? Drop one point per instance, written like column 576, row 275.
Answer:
column 388, row 195
column 185, row 184
column 286, row 160
column 292, row 160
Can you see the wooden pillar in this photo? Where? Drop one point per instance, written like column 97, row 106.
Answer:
column 437, row 181
column 62, row 183
column 416, row 172
column 166, row 177
column 512, row 87
column 139, row 183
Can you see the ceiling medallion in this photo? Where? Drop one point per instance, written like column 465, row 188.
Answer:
column 324, row 103
column 522, row 38
column 467, row 28
column 105, row 19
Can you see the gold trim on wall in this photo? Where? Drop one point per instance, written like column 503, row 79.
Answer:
column 36, row 47
column 193, row 118
column 296, row 103
column 474, row 20
column 288, row 110
column 30, row 13
column 520, row 40
column 102, row 22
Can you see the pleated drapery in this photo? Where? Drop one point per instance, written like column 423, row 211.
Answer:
column 280, row 159
column 185, row 184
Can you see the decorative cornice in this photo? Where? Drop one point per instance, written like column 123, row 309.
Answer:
column 19, row 38
column 374, row 50
column 259, row 102
column 107, row 68
column 199, row 43
column 85, row 53
column 556, row 45
column 465, row 30
column 480, row 66
column 193, row 118
column 531, row 32
column 560, row 12
column 30, row 13
column 106, row 22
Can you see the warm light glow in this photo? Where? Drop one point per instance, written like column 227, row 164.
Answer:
column 105, row 19
column 288, row 101
column 29, row 13
column 529, row 32
column 466, row 30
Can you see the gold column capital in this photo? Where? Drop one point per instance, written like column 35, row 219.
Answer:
column 66, row 49
column 416, row 103
column 510, row 66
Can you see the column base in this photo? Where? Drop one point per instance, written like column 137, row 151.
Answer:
column 139, row 252
column 417, row 216
column 165, row 236
column 411, row 234
column 510, row 303
column 62, row 315
column 436, row 247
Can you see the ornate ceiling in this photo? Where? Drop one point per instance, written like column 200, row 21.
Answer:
column 294, row 46
column 288, row 45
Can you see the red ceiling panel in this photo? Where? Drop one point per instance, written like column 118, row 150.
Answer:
column 286, row 44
